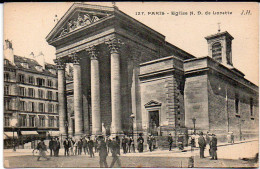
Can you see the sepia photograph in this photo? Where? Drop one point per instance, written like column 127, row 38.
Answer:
column 130, row 85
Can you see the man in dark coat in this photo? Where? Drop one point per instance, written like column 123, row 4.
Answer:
column 56, row 147
column 213, row 147
column 67, row 146
column 170, row 141
column 85, row 145
column 124, row 144
column 149, row 142
column 90, row 147
column 115, row 153
column 102, row 148
column 80, row 145
column 140, row 142
column 51, row 146
column 202, row 145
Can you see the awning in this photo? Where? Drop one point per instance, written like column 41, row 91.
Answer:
column 54, row 133
column 29, row 132
column 10, row 135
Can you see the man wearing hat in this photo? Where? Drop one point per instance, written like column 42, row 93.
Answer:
column 202, row 144
column 170, row 140
column 102, row 149
column 115, row 148
column 213, row 147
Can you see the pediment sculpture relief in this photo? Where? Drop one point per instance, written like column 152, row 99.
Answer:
column 79, row 22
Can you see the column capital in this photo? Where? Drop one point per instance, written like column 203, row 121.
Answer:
column 75, row 58
column 92, row 51
column 61, row 64
column 114, row 45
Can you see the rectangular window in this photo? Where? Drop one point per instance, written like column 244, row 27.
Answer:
column 51, row 121
column 41, row 107
column 57, row 108
column 31, row 106
column 21, row 91
column 41, row 121
column 58, row 122
column 22, row 120
column 21, row 78
column 40, row 93
column 40, row 82
column 31, row 80
column 57, row 96
column 49, row 95
column 50, row 83
column 6, row 77
column 22, row 105
column 50, row 108
column 7, row 104
column 251, row 107
column 7, row 121
column 7, row 90
column 31, row 92
column 32, row 121
column 237, row 103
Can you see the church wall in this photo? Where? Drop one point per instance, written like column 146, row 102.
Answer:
column 241, row 122
column 196, row 102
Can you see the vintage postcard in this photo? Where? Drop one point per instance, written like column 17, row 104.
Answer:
column 131, row 84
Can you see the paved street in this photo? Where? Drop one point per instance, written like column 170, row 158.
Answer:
column 229, row 155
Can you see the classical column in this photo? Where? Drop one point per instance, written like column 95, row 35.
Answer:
column 95, row 92
column 77, row 96
column 116, row 126
column 62, row 96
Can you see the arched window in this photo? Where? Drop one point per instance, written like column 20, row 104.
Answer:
column 217, row 51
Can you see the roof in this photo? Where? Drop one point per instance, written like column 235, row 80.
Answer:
column 32, row 66
column 218, row 35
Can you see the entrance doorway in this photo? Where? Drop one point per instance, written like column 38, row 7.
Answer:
column 154, row 122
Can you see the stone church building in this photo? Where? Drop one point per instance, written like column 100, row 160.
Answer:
column 128, row 79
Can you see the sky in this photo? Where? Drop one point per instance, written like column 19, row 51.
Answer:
column 28, row 24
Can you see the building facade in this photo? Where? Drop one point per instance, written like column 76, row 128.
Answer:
column 30, row 97
column 128, row 79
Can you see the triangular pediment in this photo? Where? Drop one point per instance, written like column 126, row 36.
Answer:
column 78, row 16
column 152, row 103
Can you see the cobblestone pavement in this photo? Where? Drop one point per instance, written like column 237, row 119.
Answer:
column 228, row 156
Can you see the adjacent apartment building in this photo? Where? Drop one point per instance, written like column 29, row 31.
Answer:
column 30, row 98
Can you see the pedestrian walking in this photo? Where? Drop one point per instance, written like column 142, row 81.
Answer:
column 192, row 140
column 118, row 142
column 129, row 143
column 124, row 144
column 170, row 141
column 76, row 147
column 56, row 147
column 96, row 144
column 42, row 148
column 72, row 146
column 51, row 147
column 80, row 145
column 232, row 138
column 133, row 145
column 90, row 147
column 102, row 148
column 115, row 153
column 150, row 142
column 108, row 143
column 154, row 142
column 202, row 144
column 67, row 146
column 213, row 147
column 85, row 145
column 140, row 141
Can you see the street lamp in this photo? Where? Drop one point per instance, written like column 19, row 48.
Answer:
column 194, row 122
column 13, row 124
column 132, row 116
column 66, row 128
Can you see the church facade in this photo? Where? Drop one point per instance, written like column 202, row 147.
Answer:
column 128, row 79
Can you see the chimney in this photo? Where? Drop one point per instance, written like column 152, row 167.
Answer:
column 40, row 59
column 8, row 51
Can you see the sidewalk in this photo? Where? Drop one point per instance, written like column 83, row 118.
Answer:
column 157, row 153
